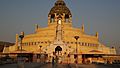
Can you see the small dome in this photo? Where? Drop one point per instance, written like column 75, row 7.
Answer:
column 60, row 8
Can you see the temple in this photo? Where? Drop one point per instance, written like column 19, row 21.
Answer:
column 59, row 39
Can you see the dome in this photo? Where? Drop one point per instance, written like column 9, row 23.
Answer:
column 60, row 8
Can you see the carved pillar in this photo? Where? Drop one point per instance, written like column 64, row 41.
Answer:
column 55, row 18
column 63, row 18
column 49, row 20
column 70, row 20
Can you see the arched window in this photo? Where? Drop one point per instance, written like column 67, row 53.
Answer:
column 67, row 18
column 52, row 18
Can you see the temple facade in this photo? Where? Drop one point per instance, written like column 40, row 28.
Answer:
column 59, row 39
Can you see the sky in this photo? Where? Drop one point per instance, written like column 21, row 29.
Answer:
column 101, row 16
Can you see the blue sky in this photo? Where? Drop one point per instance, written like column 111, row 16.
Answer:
column 99, row 15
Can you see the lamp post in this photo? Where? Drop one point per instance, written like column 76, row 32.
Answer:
column 21, row 64
column 40, row 48
column 76, row 55
column 40, row 53
column 21, row 38
column 76, row 38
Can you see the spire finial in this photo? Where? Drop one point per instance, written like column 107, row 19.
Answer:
column 83, row 28
column 97, row 35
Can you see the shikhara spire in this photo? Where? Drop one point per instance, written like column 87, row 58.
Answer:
column 60, row 11
column 60, row 8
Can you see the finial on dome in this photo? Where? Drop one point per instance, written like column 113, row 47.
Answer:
column 83, row 28
column 97, row 34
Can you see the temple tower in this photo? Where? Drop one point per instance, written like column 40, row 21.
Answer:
column 59, row 12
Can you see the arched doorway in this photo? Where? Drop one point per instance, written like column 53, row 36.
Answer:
column 58, row 50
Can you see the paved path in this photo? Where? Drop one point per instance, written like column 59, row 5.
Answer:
column 82, row 66
column 26, row 65
column 49, row 65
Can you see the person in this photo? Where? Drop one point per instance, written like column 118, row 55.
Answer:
column 56, row 59
column 53, row 62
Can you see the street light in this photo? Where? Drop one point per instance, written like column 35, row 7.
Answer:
column 40, row 48
column 21, row 38
column 76, row 56
column 76, row 38
column 40, row 53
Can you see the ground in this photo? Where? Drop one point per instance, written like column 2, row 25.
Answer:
column 49, row 65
